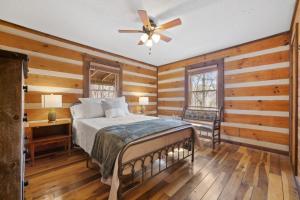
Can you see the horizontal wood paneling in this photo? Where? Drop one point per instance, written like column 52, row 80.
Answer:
column 171, row 75
column 135, row 109
column 52, row 65
column 267, row 59
column 266, row 136
column 279, row 40
column 256, row 94
column 130, row 98
column 175, row 84
column 258, row 76
column 35, row 97
column 276, row 90
column 282, row 122
column 129, row 88
column 36, row 46
column 56, row 66
column 170, row 94
column 179, row 104
column 42, row 114
column 258, row 105
column 169, row 112
column 139, row 70
column 51, row 81
column 136, row 79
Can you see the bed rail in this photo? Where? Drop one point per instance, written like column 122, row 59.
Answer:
column 145, row 167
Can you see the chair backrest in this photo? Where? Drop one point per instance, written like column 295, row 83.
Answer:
column 201, row 114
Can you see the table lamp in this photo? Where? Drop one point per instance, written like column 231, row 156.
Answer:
column 52, row 101
column 143, row 101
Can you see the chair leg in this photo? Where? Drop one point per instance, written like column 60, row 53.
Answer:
column 219, row 136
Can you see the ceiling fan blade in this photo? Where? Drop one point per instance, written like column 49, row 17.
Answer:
column 144, row 18
column 130, row 31
column 140, row 42
column 164, row 37
column 170, row 24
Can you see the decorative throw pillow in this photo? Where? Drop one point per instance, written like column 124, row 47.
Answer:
column 115, row 112
column 107, row 105
column 119, row 99
column 117, row 103
column 127, row 112
column 87, row 110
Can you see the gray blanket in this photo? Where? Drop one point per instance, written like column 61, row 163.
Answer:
column 109, row 141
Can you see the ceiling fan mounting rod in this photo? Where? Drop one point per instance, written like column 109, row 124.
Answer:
column 147, row 29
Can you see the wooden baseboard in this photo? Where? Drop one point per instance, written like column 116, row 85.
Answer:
column 249, row 145
column 257, row 147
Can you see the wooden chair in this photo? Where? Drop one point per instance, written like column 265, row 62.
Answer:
column 208, row 120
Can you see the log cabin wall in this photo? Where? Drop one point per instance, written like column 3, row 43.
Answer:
column 256, row 101
column 56, row 66
column 295, row 94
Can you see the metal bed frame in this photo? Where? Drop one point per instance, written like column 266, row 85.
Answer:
column 188, row 143
column 161, row 153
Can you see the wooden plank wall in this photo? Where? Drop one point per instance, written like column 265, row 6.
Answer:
column 256, row 79
column 55, row 66
column 295, row 99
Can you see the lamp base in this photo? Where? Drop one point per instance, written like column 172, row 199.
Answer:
column 142, row 109
column 52, row 116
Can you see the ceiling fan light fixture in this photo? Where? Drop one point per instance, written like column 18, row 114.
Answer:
column 144, row 37
column 149, row 43
column 155, row 38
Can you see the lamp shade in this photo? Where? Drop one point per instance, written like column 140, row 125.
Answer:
column 51, row 101
column 144, row 101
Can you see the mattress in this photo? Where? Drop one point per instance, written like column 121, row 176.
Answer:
column 86, row 129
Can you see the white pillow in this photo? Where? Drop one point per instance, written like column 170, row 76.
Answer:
column 115, row 112
column 90, row 100
column 126, row 110
column 118, row 99
column 87, row 110
column 117, row 103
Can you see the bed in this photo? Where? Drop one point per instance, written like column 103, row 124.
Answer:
column 140, row 159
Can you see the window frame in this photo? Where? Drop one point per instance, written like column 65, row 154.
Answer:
column 219, row 65
column 103, row 65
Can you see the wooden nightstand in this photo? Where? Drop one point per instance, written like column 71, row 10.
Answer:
column 45, row 133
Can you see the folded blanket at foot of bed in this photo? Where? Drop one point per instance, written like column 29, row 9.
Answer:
column 109, row 141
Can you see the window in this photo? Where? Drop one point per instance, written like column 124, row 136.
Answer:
column 205, row 85
column 204, row 90
column 102, row 78
column 103, row 84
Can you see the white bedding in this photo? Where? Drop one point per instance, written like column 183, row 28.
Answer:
column 86, row 129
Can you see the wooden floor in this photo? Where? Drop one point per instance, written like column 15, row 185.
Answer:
column 229, row 172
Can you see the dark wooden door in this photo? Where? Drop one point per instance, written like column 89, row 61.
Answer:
column 11, row 125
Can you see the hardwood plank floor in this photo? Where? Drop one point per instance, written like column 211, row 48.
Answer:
column 229, row 172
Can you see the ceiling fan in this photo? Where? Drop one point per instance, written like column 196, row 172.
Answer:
column 151, row 31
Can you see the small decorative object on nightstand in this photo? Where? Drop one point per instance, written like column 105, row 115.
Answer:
column 52, row 102
column 143, row 101
column 46, row 134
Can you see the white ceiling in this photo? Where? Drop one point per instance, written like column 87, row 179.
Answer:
column 208, row 25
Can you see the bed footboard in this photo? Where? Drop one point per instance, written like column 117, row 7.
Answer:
column 140, row 169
